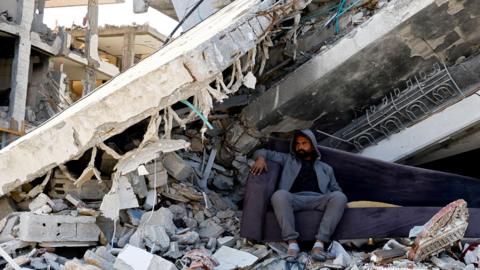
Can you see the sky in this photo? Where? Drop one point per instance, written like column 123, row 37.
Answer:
column 111, row 14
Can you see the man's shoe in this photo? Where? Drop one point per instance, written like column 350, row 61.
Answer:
column 292, row 252
column 318, row 254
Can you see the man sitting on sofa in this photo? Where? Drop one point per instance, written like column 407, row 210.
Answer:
column 306, row 183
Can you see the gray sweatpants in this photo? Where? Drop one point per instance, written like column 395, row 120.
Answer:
column 331, row 204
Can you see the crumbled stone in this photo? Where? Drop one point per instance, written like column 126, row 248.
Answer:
column 210, row 228
column 162, row 217
column 156, row 238
column 225, row 214
column 40, row 201
column 223, row 182
column 188, row 238
column 228, row 241
column 177, row 167
column 178, row 210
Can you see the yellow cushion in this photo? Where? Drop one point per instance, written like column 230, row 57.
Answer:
column 366, row 204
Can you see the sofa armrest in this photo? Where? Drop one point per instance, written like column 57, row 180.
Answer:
column 257, row 199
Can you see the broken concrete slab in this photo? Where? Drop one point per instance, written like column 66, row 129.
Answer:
column 58, row 229
column 162, row 217
column 406, row 45
column 39, row 201
column 228, row 241
column 157, row 176
column 177, row 167
column 91, row 190
column 230, row 258
column 210, row 228
column 138, row 184
column 133, row 159
column 151, row 200
column 121, row 196
column 188, row 238
column 178, row 71
column 133, row 258
column 155, row 237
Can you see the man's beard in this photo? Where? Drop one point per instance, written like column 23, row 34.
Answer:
column 303, row 154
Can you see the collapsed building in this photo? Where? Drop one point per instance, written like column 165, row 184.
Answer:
column 393, row 80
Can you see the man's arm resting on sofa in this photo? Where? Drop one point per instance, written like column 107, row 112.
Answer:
column 262, row 155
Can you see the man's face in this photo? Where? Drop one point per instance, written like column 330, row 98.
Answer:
column 303, row 147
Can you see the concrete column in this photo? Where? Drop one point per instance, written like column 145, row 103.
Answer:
column 128, row 56
column 21, row 64
column 91, row 51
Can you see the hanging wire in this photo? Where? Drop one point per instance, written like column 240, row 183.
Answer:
column 200, row 114
column 183, row 20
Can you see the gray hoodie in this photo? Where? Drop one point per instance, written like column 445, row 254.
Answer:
column 292, row 165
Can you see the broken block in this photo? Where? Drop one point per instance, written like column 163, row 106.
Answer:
column 91, row 190
column 138, row 184
column 162, row 217
column 188, row 238
column 121, row 196
column 177, row 167
column 133, row 258
column 228, row 241
column 151, row 199
column 239, row 138
column 6, row 207
column 40, row 201
column 57, row 228
column 156, row 236
column 210, row 228
column 157, row 175
column 223, row 182
column 101, row 258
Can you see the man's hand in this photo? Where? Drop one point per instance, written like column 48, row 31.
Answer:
column 259, row 166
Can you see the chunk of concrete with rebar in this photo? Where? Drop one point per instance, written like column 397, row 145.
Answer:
column 180, row 70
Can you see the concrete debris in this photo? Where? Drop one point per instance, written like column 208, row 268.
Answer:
column 58, row 230
column 133, row 258
column 446, row 262
column 134, row 180
column 121, row 196
column 228, row 241
column 472, row 254
column 230, row 258
column 177, row 167
column 40, row 201
column 162, row 217
column 6, row 207
column 209, row 228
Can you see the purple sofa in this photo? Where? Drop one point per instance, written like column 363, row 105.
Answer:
column 420, row 192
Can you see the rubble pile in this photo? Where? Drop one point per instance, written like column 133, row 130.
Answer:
column 166, row 193
column 180, row 210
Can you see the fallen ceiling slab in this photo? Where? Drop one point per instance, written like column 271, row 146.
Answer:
column 176, row 72
column 405, row 37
